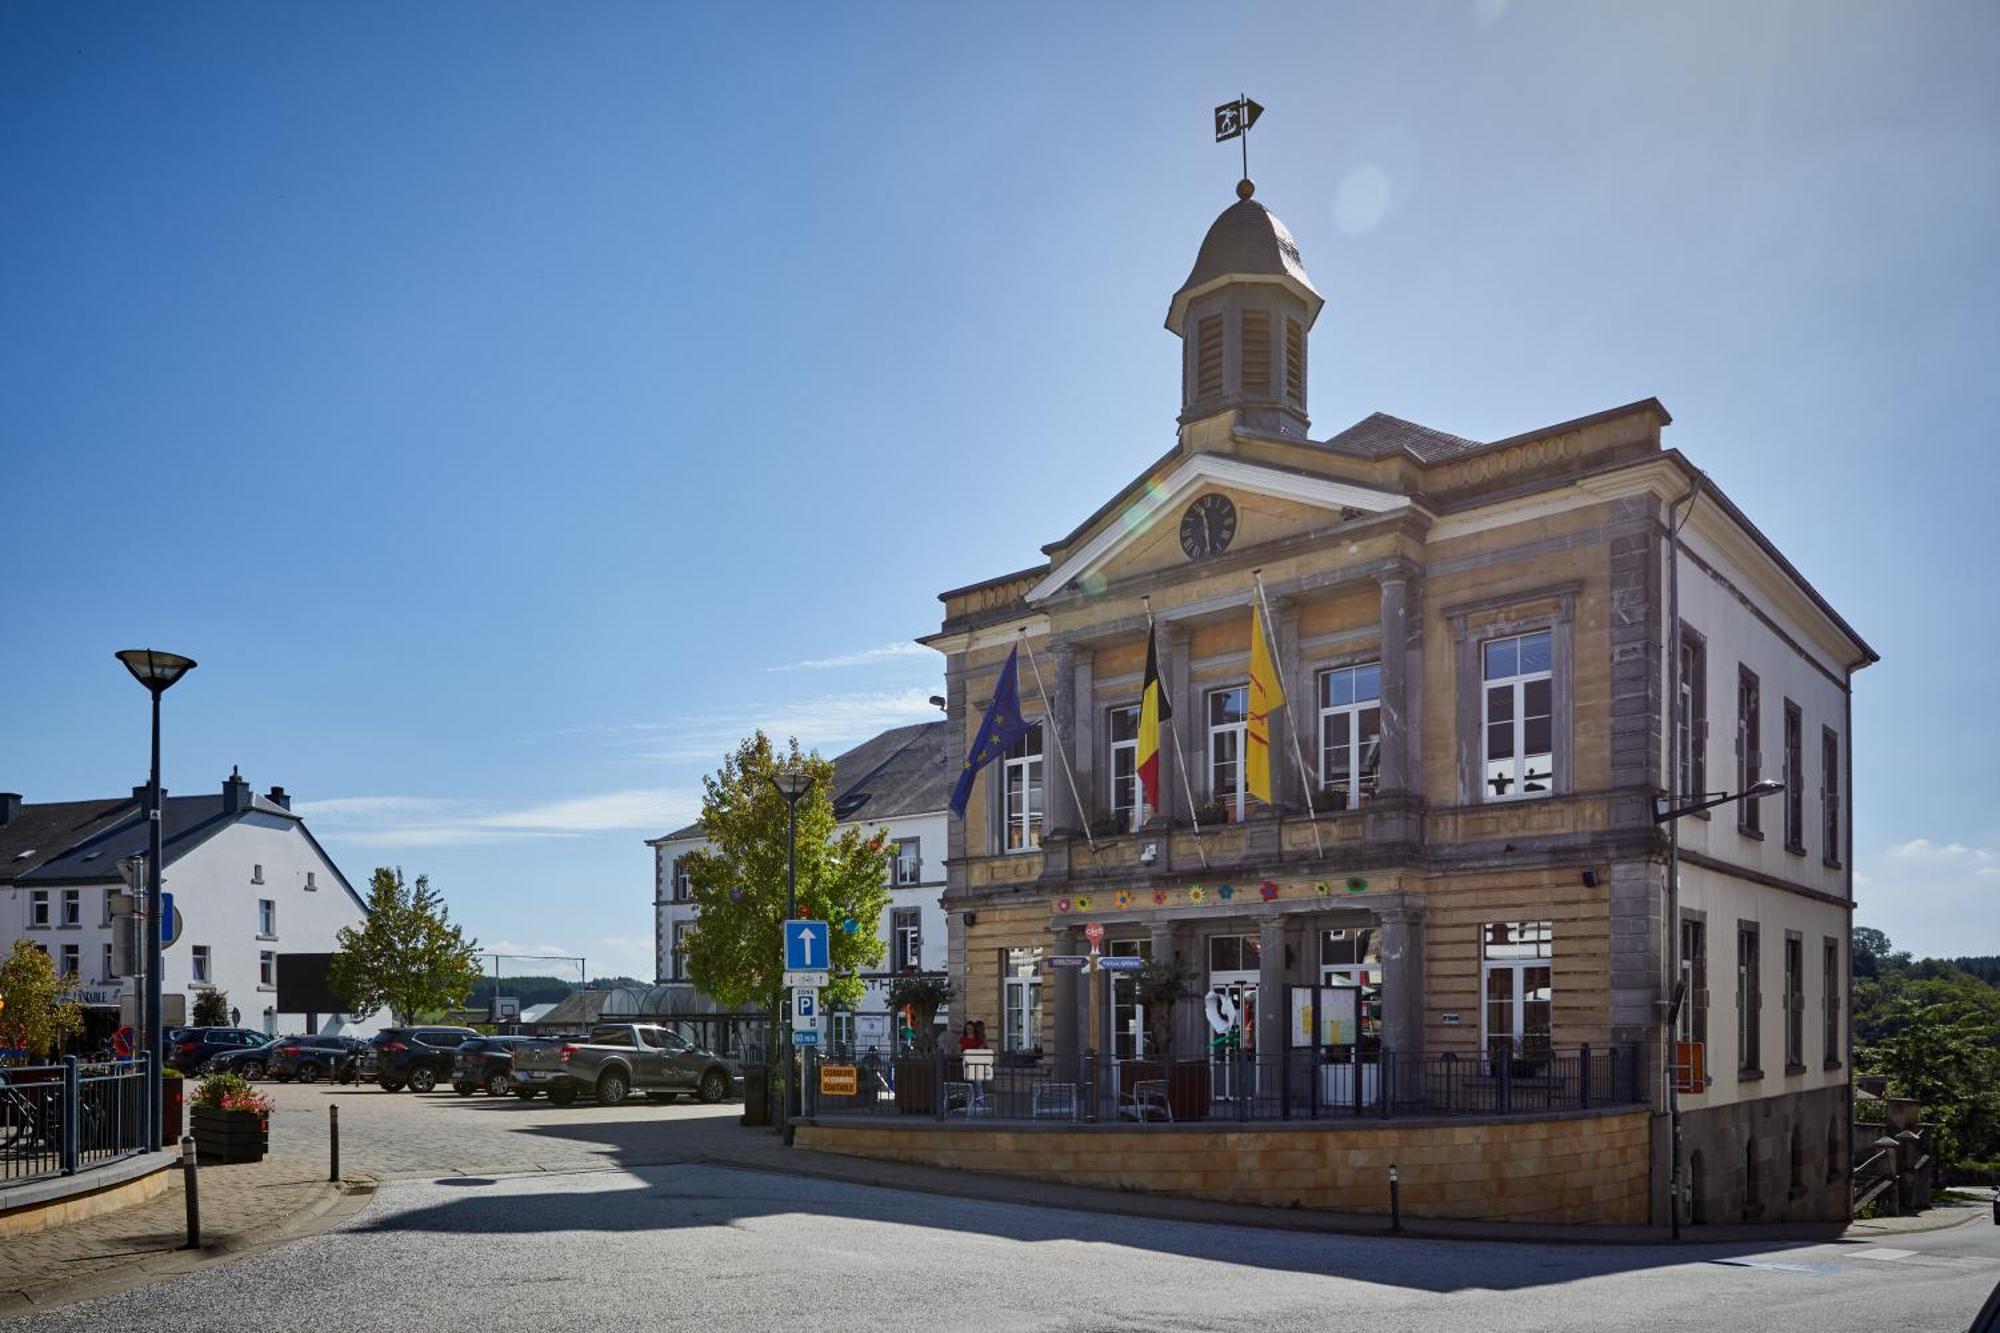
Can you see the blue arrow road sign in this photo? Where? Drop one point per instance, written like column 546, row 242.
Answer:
column 168, row 934
column 805, row 946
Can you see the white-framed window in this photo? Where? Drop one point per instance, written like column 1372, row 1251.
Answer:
column 909, row 867
column 682, row 881
column 677, row 960
column 256, row 874
column 1228, row 725
column 1022, row 793
column 1518, row 672
column 72, row 907
column 198, row 962
column 72, row 961
column 267, row 968
column 1127, row 794
column 110, row 897
column 38, row 909
column 1350, row 735
column 1749, row 749
column 110, row 969
column 1829, row 795
column 840, row 1029
column 1129, row 1038
column 1691, row 719
column 1519, row 987
column 267, row 916
column 1021, row 998
column 906, row 939
column 1352, row 956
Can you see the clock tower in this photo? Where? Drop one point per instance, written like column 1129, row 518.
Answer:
column 1242, row 317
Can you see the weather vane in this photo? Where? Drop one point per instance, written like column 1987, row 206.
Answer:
column 1233, row 121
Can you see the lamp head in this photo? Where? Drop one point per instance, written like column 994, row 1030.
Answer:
column 156, row 670
column 792, row 783
column 1768, row 787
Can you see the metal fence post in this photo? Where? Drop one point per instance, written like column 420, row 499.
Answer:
column 1505, row 1089
column 1385, row 1078
column 333, row 1143
column 1583, row 1083
column 72, row 1111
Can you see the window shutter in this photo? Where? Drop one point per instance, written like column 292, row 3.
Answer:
column 1208, row 357
column 1257, row 352
column 1295, row 363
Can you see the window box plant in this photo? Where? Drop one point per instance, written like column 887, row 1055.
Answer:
column 232, row 1122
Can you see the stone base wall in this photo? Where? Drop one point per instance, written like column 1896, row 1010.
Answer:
column 1739, row 1159
column 1587, row 1167
column 62, row 1200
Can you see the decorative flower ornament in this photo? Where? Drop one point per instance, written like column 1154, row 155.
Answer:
column 1269, row 890
column 1322, row 888
column 1062, row 905
column 1226, row 892
column 849, row 926
column 1159, row 897
column 1123, row 898
column 1197, row 894
column 1083, row 904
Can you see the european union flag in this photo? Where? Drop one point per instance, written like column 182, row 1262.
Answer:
column 997, row 734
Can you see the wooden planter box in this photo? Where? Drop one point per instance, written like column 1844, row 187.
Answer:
column 1187, row 1085
column 229, row 1136
column 917, row 1083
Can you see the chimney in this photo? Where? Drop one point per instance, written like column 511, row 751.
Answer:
column 235, row 793
column 139, row 794
column 278, row 797
column 10, row 806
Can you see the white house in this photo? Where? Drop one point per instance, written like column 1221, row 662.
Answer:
column 898, row 781
column 249, row 881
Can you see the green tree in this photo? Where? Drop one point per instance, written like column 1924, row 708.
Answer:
column 37, row 1011
column 735, row 952
column 407, row 957
column 211, row 1009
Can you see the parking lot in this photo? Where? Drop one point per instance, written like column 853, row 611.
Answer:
column 401, row 1134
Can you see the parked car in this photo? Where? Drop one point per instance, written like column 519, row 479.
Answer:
column 416, row 1057
column 487, row 1062
column 307, row 1058
column 249, row 1061
column 193, row 1047
column 619, row 1059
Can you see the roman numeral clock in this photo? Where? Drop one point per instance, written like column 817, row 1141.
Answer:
column 1208, row 526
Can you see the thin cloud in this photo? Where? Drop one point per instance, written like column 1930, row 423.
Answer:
column 887, row 652
column 390, row 821
column 824, row 720
column 1936, row 899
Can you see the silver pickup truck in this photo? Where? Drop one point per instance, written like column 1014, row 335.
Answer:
column 618, row 1060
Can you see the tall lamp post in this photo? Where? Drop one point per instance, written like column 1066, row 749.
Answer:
column 1671, row 817
column 157, row 671
column 792, row 784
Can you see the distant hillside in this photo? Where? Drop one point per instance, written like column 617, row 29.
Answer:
column 539, row 990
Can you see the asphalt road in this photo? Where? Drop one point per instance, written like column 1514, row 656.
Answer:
column 688, row 1246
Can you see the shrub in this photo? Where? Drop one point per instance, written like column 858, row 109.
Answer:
column 232, row 1092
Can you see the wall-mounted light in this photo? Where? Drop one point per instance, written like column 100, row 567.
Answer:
column 970, row 918
column 1590, row 879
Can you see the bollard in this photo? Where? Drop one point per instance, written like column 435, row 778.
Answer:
column 191, row 1183
column 333, row 1143
column 1395, row 1203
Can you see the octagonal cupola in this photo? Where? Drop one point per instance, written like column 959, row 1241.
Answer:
column 1242, row 317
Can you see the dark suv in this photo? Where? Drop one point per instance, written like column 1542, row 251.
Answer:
column 419, row 1057
column 193, row 1047
column 486, row 1062
column 306, row 1058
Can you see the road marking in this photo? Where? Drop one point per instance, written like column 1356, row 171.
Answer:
column 1774, row 1266
column 1879, row 1252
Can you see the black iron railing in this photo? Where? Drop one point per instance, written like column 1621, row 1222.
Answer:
column 57, row 1120
column 1296, row 1085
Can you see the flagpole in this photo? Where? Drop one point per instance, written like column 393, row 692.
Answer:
column 1180, row 762
column 1062, row 754
column 1298, row 751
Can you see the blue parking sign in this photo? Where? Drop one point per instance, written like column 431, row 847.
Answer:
column 805, row 946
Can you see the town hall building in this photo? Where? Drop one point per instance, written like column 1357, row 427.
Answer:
column 1502, row 663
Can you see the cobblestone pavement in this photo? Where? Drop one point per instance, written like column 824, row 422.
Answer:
column 383, row 1136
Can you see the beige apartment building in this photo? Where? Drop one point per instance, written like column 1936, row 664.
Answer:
column 1500, row 660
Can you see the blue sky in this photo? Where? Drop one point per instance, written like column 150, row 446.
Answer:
column 511, row 405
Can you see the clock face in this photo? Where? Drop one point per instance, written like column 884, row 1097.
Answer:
column 1208, row 526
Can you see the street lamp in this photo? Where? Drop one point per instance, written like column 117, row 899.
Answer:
column 1671, row 818
column 157, row 671
column 792, row 784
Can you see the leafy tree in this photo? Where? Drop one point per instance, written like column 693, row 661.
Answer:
column 923, row 994
column 408, row 956
column 37, row 1011
column 735, row 951
column 1934, row 1031
column 211, row 1009
column 1160, row 985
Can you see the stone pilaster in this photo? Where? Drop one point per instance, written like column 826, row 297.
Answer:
column 1089, row 740
column 1402, row 979
column 1060, row 814
column 1273, row 1002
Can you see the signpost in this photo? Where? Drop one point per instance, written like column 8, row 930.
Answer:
column 1066, row 962
column 1121, row 962
column 170, row 920
column 1094, row 932
column 805, row 946
column 839, row 1080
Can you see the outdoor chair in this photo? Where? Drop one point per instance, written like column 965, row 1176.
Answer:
column 1147, row 1101
column 1054, row 1101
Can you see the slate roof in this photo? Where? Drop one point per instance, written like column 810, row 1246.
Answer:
column 1379, row 434
column 185, row 822
column 1245, row 240
column 903, row 771
column 41, row 832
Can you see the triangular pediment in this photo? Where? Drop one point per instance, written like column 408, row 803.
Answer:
column 1144, row 534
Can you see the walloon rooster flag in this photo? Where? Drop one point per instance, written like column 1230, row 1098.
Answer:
column 1154, row 708
column 1002, row 726
column 1266, row 693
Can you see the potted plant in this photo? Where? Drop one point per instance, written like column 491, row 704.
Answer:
column 920, row 996
column 1159, row 986
column 232, row 1122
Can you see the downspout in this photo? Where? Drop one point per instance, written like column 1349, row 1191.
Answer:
column 1846, row 780
column 1674, row 794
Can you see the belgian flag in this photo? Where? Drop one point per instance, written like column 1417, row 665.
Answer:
column 1154, row 709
